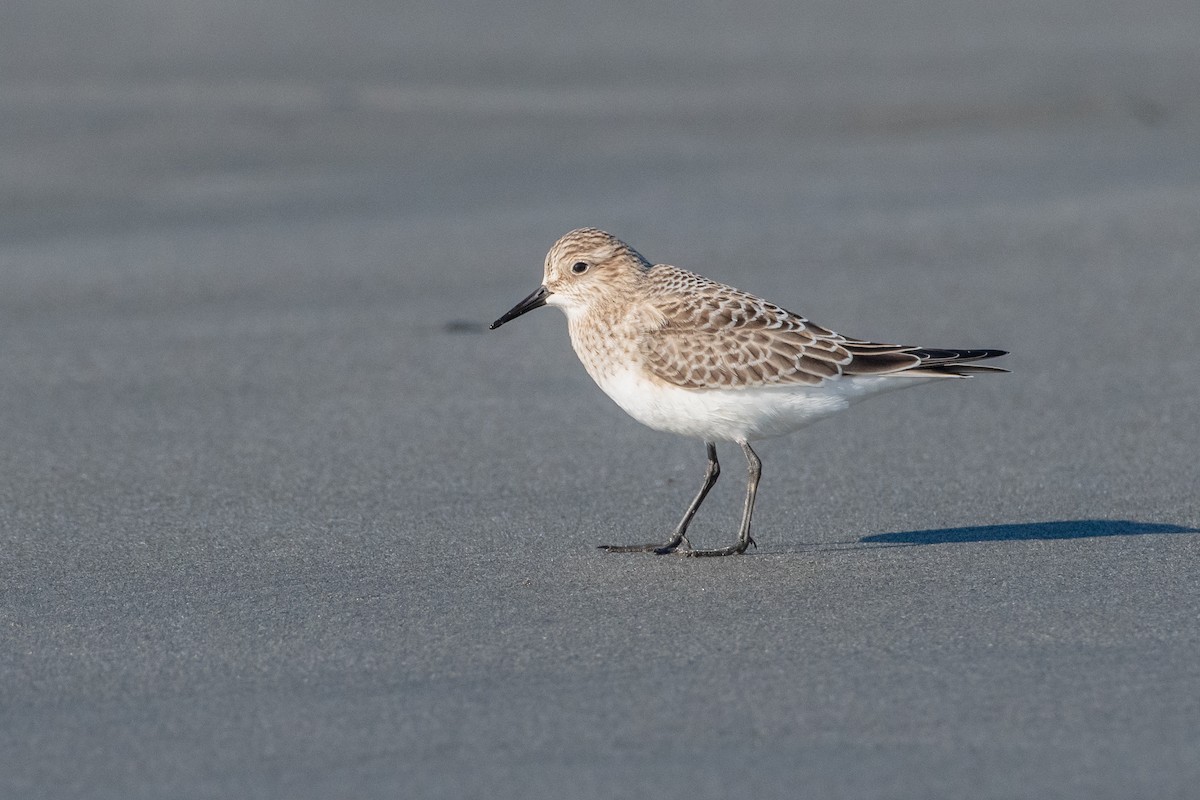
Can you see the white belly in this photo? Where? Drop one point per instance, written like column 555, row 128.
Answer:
column 736, row 414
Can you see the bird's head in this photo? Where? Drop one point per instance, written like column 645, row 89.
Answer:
column 585, row 270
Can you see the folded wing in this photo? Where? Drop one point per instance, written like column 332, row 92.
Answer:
column 713, row 336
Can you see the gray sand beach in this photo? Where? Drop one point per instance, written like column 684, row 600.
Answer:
column 280, row 518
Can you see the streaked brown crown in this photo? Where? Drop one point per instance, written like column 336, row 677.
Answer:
column 592, row 245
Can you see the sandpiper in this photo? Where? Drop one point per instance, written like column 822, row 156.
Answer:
column 681, row 353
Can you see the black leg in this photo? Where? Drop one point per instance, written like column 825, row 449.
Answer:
column 754, row 467
column 680, row 535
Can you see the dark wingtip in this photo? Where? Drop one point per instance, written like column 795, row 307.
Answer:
column 939, row 354
column 959, row 363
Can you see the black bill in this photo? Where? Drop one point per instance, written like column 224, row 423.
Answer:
column 535, row 300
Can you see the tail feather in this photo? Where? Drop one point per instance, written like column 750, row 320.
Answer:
column 875, row 359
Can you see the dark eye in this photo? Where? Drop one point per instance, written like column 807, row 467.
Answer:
column 579, row 267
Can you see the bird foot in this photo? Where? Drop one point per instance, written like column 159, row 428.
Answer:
column 631, row 548
column 735, row 550
column 658, row 548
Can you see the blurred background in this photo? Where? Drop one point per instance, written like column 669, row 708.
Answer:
column 278, row 518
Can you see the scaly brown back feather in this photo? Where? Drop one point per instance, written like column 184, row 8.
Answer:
column 712, row 336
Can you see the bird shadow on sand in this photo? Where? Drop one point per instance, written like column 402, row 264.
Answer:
column 1017, row 532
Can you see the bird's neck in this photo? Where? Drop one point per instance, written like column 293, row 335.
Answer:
column 605, row 339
